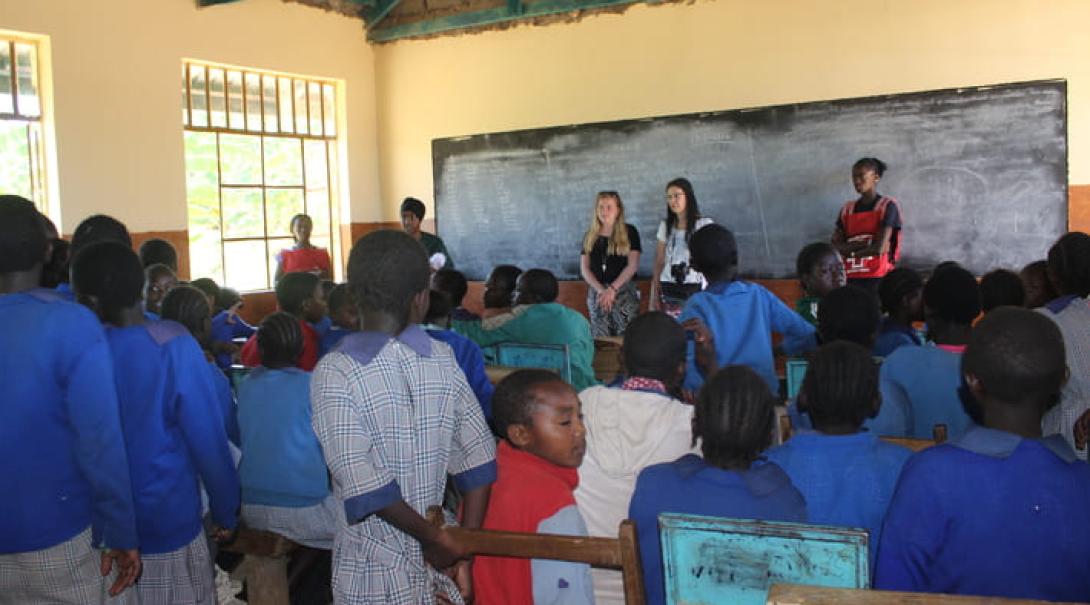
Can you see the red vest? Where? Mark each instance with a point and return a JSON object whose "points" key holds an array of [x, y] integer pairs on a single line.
{"points": [[864, 227]]}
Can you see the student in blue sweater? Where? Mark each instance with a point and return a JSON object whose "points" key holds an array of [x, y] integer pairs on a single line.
{"points": [[173, 429], [344, 318], [999, 511], [920, 384], [741, 315], [901, 293], [67, 512], [93, 229], [285, 484], [846, 474], [227, 325], [466, 352], [732, 421]]}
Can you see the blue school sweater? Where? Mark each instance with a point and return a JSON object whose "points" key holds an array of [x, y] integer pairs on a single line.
{"points": [[892, 336], [63, 465], [331, 339], [692, 486], [225, 397], [919, 390], [174, 431], [742, 316], [282, 462], [847, 480], [471, 360], [227, 332], [990, 514]]}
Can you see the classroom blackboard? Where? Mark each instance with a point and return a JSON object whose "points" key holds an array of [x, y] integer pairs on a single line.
{"points": [[980, 174]]}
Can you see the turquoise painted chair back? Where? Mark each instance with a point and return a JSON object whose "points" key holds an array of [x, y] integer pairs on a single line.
{"points": [[708, 560], [795, 371], [236, 374], [549, 357]]}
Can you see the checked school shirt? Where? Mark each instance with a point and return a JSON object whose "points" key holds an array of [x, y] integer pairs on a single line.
{"points": [[394, 416]]}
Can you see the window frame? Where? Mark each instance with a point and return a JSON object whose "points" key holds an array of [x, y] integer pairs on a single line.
{"points": [[38, 127]]}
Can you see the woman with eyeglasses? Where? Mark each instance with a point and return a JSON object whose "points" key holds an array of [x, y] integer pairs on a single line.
{"points": [[608, 263], [674, 280]]}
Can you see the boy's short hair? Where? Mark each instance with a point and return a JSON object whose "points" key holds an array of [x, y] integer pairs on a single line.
{"points": [[841, 384], [340, 296], [733, 416], [1069, 261], [1001, 288], [515, 396], [849, 313], [158, 251], [1017, 355], [438, 307], [327, 289], [451, 282], [539, 285], [411, 204], [153, 272], [294, 289], [654, 346], [810, 256], [111, 272], [280, 338], [952, 294], [503, 278], [713, 250], [227, 298], [99, 228], [896, 285], [23, 241], [208, 286], [386, 269], [188, 306]]}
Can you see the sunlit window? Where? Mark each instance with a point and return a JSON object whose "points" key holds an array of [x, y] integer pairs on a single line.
{"points": [[260, 148], [22, 157]]}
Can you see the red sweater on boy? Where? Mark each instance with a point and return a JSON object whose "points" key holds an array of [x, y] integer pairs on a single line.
{"points": [[251, 355], [531, 495]]}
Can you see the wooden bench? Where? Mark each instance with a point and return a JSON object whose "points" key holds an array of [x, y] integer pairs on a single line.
{"points": [[607, 362], [610, 553], [266, 564], [797, 594]]}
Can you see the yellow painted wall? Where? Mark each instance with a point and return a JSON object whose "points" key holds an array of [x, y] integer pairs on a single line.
{"points": [[712, 55], [116, 76]]}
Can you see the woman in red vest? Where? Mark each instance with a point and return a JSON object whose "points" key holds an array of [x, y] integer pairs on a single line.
{"points": [[868, 229], [303, 256]]}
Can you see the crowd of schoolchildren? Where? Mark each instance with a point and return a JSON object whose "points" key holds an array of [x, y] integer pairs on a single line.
{"points": [[129, 456]]}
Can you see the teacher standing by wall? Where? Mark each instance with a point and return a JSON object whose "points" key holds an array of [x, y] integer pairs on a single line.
{"points": [[868, 230], [608, 263], [673, 280]]}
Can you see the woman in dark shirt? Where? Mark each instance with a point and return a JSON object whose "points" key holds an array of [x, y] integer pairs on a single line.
{"points": [[608, 263]]}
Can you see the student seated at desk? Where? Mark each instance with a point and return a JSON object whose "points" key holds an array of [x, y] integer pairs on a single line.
{"points": [[299, 294], [1000, 510], [227, 325], [733, 419], [158, 281], [820, 270], [741, 315], [468, 354], [344, 318], [285, 485], [539, 319], [631, 427], [453, 284], [1001, 288], [846, 474], [920, 384], [901, 293]]}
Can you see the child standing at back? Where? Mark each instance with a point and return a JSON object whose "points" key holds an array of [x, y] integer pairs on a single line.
{"points": [[543, 441], [395, 417], [732, 421], [846, 474], [1001, 510], [820, 270], [740, 315], [299, 294], [173, 428]]}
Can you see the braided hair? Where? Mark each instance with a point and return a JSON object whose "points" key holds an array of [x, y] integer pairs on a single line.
{"points": [[280, 340], [1069, 263], [897, 285], [188, 306], [841, 385], [733, 417]]}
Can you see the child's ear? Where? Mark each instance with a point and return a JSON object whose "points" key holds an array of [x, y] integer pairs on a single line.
{"points": [[518, 435]]}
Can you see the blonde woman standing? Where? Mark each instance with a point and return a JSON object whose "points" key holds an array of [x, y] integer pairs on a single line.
{"points": [[608, 263]]}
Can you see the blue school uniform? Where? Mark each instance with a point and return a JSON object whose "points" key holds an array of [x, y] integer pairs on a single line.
{"points": [[65, 292], [331, 339], [471, 360], [919, 390], [222, 331], [692, 486], [63, 465], [226, 399], [742, 317], [322, 326], [892, 336], [990, 514], [847, 480], [174, 431], [282, 462]]}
